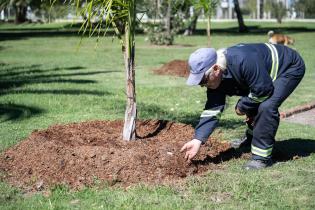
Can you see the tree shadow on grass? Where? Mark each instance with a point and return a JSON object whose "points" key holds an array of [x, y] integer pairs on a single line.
{"points": [[6, 85], [19, 76], [13, 77], [18, 34], [255, 30], [60, 92], [19, 70], [14, 112], [291, 149], [73, 30], [44, 78]]}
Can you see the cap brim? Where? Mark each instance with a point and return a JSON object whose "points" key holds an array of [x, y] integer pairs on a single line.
{"points": [[194, 79]]}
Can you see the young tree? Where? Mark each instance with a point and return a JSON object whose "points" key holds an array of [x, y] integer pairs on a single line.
{"points": [[20, 7], [208, 6], [121, 15]]}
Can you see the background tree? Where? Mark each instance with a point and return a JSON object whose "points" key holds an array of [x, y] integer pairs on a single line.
{"points": [[307, 7], [251, 7], [277, 9], [191, 20], [261, 9], [241, 25], [256, 8], [169, 17], [19, 6], [41, 8]]}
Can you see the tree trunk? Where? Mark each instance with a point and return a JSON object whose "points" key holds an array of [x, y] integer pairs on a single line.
{"points": [[158, 8], [168, 18], [208, 29], [261, 7], [129, 132], [258, 9], [241, 25], [190, 30], [20, 13]]}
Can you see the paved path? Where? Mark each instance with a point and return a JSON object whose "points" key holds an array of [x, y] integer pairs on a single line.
{"points": [[305, 118]]}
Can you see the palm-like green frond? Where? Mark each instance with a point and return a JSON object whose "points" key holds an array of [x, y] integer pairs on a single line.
{"points": [[102, 14], [207, 5]]}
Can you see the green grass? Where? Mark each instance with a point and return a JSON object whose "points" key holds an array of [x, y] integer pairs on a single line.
{"points": [[48, 80]]}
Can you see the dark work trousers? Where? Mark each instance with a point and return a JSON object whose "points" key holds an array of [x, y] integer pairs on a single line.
{"points": [[267, 118]]}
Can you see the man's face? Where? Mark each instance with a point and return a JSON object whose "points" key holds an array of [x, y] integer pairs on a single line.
{"points": [[212, 80]]}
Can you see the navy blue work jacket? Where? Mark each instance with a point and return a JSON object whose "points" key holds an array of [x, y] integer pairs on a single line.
{"points": [[251, 70]]}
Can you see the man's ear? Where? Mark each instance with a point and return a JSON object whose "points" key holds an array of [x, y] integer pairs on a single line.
{"points": [[217, 69]]}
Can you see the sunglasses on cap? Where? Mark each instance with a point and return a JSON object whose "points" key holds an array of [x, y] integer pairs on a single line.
{"points": [[205, 77]]}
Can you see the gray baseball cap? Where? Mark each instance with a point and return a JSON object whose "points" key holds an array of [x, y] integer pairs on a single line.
{"points": [[199, 62]]}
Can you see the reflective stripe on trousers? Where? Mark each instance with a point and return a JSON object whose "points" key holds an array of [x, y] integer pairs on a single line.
{"points": [[211, 113], [262, 152]]}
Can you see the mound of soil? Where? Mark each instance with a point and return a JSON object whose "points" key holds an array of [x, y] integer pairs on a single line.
{"points": [[178, 68], [82, 154]]}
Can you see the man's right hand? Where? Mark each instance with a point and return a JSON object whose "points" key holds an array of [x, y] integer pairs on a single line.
{"points": [[192, 148], [249, 120]]}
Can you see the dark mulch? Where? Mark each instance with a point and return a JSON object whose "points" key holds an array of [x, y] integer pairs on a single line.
{"points": [[82, 154], [178, 68]]}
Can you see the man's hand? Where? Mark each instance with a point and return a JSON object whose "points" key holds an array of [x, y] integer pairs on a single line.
{"points": [[249, 120], [192, 148]]}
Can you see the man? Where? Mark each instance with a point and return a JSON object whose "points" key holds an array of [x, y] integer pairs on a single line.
{"points": [[263, 74]]}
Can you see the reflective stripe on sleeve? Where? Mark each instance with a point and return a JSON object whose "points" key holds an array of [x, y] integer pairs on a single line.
{"points": [[257, 99], [261, 152], [275, 61], [211, 113]]}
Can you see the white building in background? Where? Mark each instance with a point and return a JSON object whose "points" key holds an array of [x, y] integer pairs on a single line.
{"points": [[225, 8], [2, 15]]}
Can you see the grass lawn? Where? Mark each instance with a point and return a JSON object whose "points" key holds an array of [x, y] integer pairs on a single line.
{"points": [[46, 80]]}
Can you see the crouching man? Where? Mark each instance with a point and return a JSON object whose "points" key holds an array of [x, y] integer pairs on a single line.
{"points": [[264, 75]]}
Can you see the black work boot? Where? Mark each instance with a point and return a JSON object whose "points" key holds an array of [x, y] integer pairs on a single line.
{"points": [[245, 141], [257, 164]]}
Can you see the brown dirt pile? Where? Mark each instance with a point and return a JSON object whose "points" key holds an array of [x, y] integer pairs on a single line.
{"points": [[178, 68], [80, 154]]}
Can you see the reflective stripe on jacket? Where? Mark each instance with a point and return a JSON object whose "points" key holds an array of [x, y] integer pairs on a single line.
{"points": [[251, 70]]}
